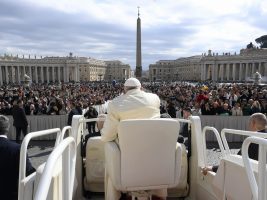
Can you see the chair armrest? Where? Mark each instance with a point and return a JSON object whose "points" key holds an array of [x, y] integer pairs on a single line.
{"points": [[178, 163], [113, 164]]}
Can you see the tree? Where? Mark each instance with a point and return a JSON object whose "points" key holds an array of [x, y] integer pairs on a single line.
{"points": [[262, 41], [250, 46]]}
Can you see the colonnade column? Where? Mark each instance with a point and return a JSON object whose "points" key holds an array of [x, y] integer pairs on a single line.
{"points": [[24, 72], [58, 74], [253, 69], [1, 79], [10, 74], [240, 71], [216, 68], [53, 74], [246, 74], [67, 74], [6, 69], [47, 74], [35, 74], [30, 72], [234, 70], [18, 70], [78, 73], [259, 69], [201, 72], [42, 74], [204, 72], [227, 71], [222, 72]]}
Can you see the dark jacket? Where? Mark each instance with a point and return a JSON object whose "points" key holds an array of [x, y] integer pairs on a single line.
{"points": [[19, 117], [74, 111], [91, 113], [253, 149], [9, 169]]}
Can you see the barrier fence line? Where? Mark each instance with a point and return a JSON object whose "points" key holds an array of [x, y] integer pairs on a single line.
{"points": [[43, 122]]}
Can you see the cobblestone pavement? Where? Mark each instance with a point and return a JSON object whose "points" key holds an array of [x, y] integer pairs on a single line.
{"points": [[214, 152], [38, 151]]}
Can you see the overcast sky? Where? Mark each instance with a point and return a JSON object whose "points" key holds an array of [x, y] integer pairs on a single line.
{"points": [[106, 29]]}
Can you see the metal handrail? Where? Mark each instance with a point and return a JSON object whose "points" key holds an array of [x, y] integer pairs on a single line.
{"points": [[182, 120], [258, 190], [63, 132], [67, 150], [96, 119], [238, 132], [215, 131], [89, 120], [23, 154]]}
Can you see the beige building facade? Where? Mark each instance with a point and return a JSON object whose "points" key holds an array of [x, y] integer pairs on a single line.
{"points": [[117, 70], [222, 68], [40, 70], [187, 68], [234, 67], [59, 69], [92, 69]]}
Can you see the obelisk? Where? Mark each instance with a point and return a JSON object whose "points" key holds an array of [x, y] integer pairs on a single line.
{"points": [[138, 70]]}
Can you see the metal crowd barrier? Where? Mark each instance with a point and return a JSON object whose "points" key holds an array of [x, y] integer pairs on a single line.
{"points": [[26, 183], [67, 150], [259, 191], [43, 122]]}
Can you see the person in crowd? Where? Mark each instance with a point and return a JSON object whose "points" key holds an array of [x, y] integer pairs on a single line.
{"points": [[246, 108], [171, 110], [73, 111], [20, 120], [91, 113], [9, 167], [225, 111], [99, 124], [185, 130], [180, 138], [257, 123], [206, 108], [196, 111], [255, 108], [236, 110], [134, 104], [215, 108], [79, 108]]}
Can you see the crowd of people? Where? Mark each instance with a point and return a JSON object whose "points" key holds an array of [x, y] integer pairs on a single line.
{"points": [[211, 99], [202, 98], [175, 99], [56, 99]]}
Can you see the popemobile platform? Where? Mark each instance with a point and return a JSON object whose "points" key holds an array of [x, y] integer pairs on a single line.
{"points": [[146, 157]]}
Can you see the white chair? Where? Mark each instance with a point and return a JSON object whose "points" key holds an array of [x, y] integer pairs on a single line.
{"points": [[147, 158], [94, 165]]}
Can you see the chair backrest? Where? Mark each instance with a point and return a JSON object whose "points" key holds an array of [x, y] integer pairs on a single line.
{"points": [[231, 180], [148, 152]]}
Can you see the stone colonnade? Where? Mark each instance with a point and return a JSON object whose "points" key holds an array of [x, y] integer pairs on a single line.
{"points": [[38, 74], [237, 71]]}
